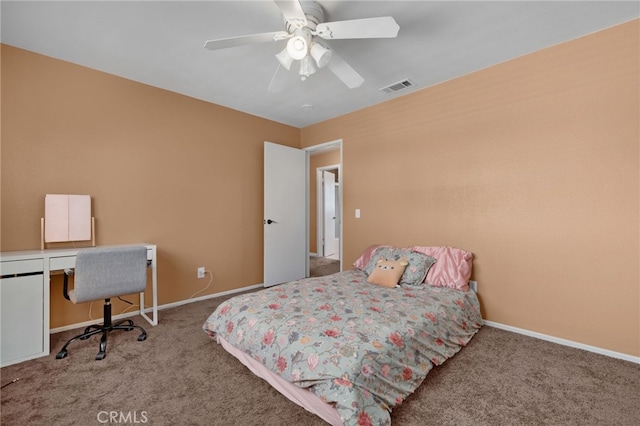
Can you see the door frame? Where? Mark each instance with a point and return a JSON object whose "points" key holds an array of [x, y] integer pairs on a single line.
{"points": [[316, 149]]}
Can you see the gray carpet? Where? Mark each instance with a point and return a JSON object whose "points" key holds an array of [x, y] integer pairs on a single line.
{"points": [[179, 376], [321, 266]]}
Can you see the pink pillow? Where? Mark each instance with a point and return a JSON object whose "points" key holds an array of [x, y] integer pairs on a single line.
{"points": [[452, 268], [366, 256]]}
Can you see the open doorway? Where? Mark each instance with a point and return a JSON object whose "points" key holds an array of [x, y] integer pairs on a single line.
{"points": [[325, 208], [328, 211]]}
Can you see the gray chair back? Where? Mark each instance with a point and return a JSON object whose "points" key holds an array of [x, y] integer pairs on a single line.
{"points": [[105, 272]]}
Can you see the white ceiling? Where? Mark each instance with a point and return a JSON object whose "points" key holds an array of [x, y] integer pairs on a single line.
{"points": [[160, 43]]}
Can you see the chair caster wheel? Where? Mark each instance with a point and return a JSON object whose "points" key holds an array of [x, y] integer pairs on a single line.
{"points": [[142, 337], [61, 354], [100, 356]]}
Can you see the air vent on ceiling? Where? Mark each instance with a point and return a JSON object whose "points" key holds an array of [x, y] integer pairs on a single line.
{"points": [[398, 86]]}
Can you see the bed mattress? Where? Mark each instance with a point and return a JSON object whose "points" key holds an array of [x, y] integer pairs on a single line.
{"points": [[358, 347]]}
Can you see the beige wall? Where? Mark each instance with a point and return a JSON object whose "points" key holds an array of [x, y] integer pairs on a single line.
{"points": [[161, 168], [533, 165], [323, 159]]}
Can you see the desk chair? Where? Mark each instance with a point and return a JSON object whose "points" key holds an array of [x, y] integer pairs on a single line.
{"points": [[103, 273]]}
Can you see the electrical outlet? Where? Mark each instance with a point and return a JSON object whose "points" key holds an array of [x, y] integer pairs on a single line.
{"points": [[201, 272]]}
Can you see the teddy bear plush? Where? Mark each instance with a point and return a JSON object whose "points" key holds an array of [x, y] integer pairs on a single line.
{"points": [[388, 272]]}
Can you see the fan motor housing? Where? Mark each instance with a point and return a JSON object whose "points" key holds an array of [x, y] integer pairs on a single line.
{"points": [[312, 11]]}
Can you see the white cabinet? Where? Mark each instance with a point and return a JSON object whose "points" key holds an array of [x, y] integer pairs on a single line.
{"points": [[22, 322]]}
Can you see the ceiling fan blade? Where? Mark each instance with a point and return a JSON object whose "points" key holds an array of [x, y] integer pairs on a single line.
{"points": [[224, 43], [278, 80], [383, 27], [292, 11], [344, 71]]}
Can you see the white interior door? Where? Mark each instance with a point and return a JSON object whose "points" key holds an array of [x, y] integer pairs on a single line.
{"points": [[329, 213], [285, 217]]}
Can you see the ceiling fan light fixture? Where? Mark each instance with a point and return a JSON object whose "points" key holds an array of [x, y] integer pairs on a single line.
{"points": [[320, 54], [284, 58], [307, 67], [305, 26], [297, 47]]}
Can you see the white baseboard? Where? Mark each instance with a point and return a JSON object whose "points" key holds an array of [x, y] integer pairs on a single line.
{"points": [[207, 296], [148, 310], [564, 342]]}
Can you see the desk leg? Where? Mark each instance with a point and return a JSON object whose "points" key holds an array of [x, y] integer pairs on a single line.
{"points": [[46, 310], [154, 287]]}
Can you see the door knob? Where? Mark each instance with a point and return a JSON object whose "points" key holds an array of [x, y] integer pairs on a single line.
{"points": [[269, 221]]}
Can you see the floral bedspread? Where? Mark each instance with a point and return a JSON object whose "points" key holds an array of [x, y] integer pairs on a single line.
{"points": [[359, 346]]}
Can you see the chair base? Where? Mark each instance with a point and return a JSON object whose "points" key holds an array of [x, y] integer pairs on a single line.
{"points": [[105, 329]]}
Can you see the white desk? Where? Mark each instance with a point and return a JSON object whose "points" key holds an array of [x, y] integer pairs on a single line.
{"points": [[24, 299]]}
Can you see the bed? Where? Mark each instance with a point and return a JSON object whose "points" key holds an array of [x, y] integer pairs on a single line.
{"points": [[346, 347]]}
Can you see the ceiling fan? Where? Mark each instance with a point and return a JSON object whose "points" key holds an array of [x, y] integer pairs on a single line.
{"points": [[305, 34]]}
